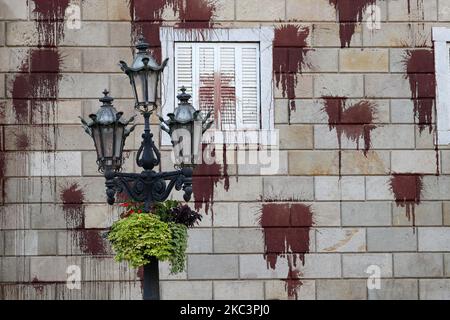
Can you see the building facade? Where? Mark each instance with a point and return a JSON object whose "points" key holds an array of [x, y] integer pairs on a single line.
{"points": [[331, 172]]}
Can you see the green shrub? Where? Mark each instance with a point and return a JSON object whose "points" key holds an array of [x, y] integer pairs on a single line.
{"points": [[138, 237], [162, 234]]}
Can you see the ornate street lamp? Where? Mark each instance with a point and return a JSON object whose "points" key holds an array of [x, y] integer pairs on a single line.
{"points": [[144, 76], [186, 127], [109, 132]]}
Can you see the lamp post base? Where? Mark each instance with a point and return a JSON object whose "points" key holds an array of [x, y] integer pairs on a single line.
{"points": [[151, 280]]}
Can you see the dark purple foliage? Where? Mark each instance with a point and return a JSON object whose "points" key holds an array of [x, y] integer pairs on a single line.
{"points": [[185, 215]]}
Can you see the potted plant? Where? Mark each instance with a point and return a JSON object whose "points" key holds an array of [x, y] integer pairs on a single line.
{"points": [[162, 234]]}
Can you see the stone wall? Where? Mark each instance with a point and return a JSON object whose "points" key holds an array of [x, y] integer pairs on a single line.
{"points": [[360, 181]]}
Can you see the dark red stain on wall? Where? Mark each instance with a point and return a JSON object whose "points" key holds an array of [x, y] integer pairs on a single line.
{"points": [[419, 66], [22, 142], [37, 84], [206, 177], [37, 285], [286, 230], [72, 198], [354, 121], [146, 16], [49, 15], [91, 242], [293, 282], [39, 75], [420, 72], [419, 4], [217, 93], [407, 190], [349, 14], [289, 55]]}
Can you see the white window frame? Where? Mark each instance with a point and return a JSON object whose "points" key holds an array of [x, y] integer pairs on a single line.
{"points": [[441, 39], [264, 36]]}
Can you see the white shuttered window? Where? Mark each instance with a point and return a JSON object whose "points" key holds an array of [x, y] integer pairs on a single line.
{"points": [[441, 40], [223, 78]]}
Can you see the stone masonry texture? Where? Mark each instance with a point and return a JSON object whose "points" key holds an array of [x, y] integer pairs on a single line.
{"points": [[360, 188]]}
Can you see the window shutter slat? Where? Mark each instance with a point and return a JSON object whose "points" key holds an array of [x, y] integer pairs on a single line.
{"points": [[184, 68], [206, 65], [227, 79], [250, 87]]}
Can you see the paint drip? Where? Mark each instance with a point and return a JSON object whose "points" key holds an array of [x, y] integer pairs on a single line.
{"points": [[349, 14], [207, 176], [91, 241], [217, 93], [419, 66], [355, 122], [407, 189], [289, 59], [286, 230], [49, 15], [147, 18], [420, 8], [72, 198], [37, 286], [420, 72]]}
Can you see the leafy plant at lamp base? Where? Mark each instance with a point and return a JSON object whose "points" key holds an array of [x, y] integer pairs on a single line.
{"points": [[179, 246], [161, 233], [140, 236]]}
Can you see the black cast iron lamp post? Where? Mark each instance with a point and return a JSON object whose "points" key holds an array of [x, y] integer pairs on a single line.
{"points": [[109, 131]]}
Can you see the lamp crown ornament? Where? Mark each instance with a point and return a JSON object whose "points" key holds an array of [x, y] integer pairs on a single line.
{"points": [[142, 45], [183, 96], [106, 99]]}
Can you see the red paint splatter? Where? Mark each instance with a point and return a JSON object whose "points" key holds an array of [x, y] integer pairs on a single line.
{"points": [[37, 286], [355, 121], [420, 73], [206, 177], [22, 142], [146, 17], [349, 12], [49, 16], [286, 234], [407, 189], [91, 242], [41, 68], [217, 93], [289, 54], [73, 199], [293, 281]]}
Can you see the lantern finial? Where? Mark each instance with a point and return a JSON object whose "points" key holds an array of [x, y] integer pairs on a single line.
{"points": [[107, 99], [183, 96], [142, 45]]}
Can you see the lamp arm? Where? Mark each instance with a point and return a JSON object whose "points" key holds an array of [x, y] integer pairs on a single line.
{"points": [[149, 186]]}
